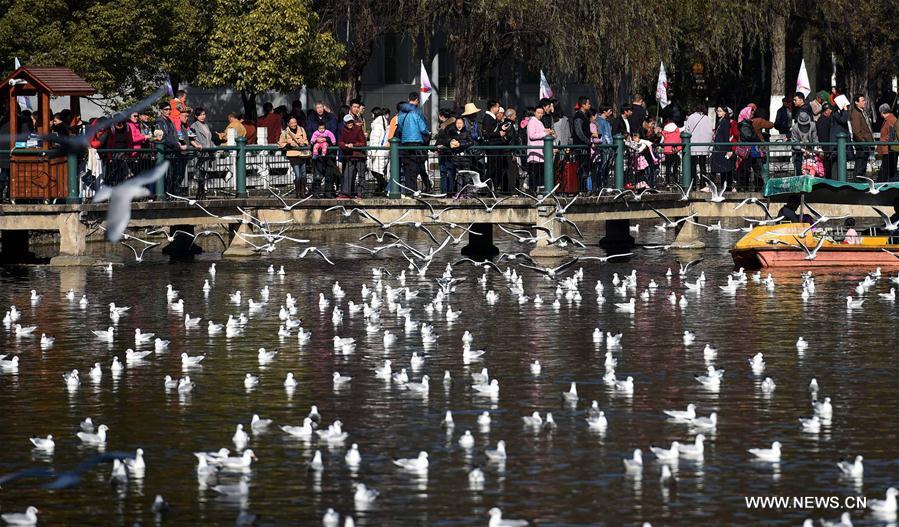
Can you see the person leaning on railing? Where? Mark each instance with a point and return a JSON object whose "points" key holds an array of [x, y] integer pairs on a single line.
{"points": [[351, 137], [444, 161], [202, 138], [459, 141], [537, 131], [296, 147]]}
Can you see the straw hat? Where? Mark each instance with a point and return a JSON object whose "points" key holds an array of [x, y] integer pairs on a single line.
{"points": [[470, 109]]}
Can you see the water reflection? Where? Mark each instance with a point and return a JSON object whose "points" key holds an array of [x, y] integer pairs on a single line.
{"points": [[561, 476]]}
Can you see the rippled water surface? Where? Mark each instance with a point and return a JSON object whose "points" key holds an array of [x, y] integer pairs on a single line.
{"points": [[566, 476]]}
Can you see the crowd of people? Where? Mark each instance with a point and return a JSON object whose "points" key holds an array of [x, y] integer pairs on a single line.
{"points": [[340, 150]]}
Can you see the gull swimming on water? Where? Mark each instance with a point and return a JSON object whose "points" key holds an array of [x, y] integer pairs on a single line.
{"points": [[811, 425], [571, 395], [499, 454], [302, 432], [415, 464], [497, 520], [666, 454], [635, 463], [853, 470], [683, 415], [885, 507], [27, 518], [694, 451], [98, 438], [44, 443], [767, 454]]}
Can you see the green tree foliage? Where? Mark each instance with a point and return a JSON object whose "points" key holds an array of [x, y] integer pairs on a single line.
{"points": [[123, 48], [128, 47], [259, 45], [35, 35]]}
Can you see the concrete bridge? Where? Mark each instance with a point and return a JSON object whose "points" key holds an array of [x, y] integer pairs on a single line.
{"points": [[73, 222]]}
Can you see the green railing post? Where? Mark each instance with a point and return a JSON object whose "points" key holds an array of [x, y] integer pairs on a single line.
{"points": [[686, 163], [841, 156], [548, 165], [160, 159], [241, 168], [393, 187], [74, 195], [766, 167], [619, 161]]}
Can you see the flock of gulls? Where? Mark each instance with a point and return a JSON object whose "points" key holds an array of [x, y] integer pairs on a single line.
{"points": [[390, 299], [416, 301]]}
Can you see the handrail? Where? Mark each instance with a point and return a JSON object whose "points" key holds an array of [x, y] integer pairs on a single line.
{"points": [[548, 151]]}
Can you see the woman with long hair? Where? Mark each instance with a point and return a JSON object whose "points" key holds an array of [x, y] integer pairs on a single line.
{"points": [[722, 161]]}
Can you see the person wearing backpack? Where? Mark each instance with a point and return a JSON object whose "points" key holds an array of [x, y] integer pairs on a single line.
{"points": [[889, 153]]}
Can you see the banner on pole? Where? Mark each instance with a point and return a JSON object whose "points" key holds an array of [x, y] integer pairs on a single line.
{"points": [[802, 83], [662, 86], [545, 91], [425, 85]]}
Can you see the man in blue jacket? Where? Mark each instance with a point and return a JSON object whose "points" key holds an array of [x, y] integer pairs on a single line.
{"points": [[413, 131]]}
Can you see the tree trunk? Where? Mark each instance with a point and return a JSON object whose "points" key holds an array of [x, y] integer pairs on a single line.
{"points": [[857, 72], [248, 97], [464, 81], [778, 63], [352, 72]]}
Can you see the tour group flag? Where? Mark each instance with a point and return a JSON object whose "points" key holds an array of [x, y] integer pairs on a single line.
{"points": [[802, 83], [545, 91], [662, 86], [425, 88], [24, 102]]}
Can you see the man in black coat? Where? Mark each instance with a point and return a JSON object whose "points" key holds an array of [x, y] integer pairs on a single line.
{"points": [[492, 134], [800, 106], [784, 119], [173, 148], [839, 123], [639, 116], [824, 127], [622, 123], [581, 135]]}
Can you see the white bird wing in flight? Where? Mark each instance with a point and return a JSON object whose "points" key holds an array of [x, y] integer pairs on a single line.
{"points": [[118, 214]]}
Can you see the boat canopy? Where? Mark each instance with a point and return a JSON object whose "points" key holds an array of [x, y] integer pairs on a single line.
{"points": [[820, 190]]}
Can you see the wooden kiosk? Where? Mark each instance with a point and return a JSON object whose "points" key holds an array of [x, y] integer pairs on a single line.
{"points": [[34, 175]]}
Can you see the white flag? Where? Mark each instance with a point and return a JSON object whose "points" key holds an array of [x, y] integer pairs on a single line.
{"points": [[545, 91], [24, 102], [802, 83], [425, 88], [662, 87]]}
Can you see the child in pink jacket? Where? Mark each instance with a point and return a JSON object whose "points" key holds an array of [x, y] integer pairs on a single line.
{"points": [[321, 139]]}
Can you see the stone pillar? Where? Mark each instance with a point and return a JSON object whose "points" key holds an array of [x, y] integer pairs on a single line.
{"points": [[14, 247], [618, 235], [688, 237], [182, 247], [543, 249], [72, 242], [480, 246], [239, 246]]}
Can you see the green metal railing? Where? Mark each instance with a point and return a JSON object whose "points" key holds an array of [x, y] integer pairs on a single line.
{"points": [[837, 150]]}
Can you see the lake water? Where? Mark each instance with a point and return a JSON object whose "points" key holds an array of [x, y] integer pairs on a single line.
{"points": [[569, 475]]}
